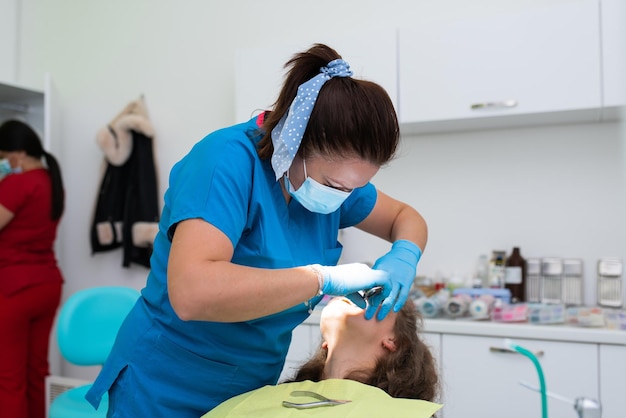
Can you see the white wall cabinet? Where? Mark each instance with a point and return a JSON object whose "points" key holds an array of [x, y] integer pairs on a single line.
{"points": [[543, 64], [613, 54], [259, 71], [538, 64]]}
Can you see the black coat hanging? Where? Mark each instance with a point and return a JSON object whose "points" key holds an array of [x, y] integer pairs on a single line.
{"points": [[127, 211]]}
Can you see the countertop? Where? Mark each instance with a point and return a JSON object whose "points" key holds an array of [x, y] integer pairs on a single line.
{"points": [[553, 332], [514, 330]]}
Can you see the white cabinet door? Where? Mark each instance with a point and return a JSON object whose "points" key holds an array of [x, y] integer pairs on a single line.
{"points": [[614, 52], [305, 340], [433, 341], [612, 380], [482, 383], [543, 59], [259, 71]]}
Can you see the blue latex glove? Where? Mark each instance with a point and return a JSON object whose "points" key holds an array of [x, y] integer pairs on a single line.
{"points": [[401, 264], [345, 279]]}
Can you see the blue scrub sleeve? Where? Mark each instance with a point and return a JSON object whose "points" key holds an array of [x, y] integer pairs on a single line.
{"points": [[213, 183]]}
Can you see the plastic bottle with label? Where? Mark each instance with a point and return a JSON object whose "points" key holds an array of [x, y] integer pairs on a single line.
{"points": [[497, 269], [515, 276]]}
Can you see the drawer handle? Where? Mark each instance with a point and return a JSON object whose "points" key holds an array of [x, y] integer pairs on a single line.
{"points": [[503, 104], [538, 353]]}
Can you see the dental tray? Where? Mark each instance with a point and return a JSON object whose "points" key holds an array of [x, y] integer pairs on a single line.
{"points": [[546, 313], [510, 313], [615, 319], [582, 316]]}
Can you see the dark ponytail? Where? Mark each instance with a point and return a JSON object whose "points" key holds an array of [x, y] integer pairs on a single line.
{"points": [[18, 136], [58, 194], [302, 67], [351, 117]]}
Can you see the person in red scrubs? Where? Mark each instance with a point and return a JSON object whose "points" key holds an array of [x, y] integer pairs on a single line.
{"points": [[31, 205]]}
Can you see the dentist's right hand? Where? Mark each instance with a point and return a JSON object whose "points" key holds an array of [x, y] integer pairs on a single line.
{"points": [[344, 279]]}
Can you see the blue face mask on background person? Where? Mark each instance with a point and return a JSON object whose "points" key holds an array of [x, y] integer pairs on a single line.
{"points": [[5, 167], [316, 197]]}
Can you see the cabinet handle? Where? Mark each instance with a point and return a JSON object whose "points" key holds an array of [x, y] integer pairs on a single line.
{"points": [[538, 353], [503, 104]]}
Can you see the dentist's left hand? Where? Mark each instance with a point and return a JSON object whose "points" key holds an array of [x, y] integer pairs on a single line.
{"points": [[401, 265], [344, 279]]}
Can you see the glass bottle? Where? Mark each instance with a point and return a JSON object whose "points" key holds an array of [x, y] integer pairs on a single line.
{"points": [[515, 276], [482, 271]]}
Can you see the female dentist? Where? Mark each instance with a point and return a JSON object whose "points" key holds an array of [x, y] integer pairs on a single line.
{"points": [[247, 244]]}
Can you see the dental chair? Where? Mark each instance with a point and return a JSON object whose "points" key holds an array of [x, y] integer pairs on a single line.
{"points": [[87, 325]]}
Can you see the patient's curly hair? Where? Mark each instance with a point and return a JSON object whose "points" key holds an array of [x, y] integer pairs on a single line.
{"points": [[408, 372]]}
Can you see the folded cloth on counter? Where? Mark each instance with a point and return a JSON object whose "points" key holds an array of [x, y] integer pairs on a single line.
{"points": [[366, 401]]}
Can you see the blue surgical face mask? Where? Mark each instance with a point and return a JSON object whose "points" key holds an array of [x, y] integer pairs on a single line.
{"points": [[5, 167], [316, 197]]}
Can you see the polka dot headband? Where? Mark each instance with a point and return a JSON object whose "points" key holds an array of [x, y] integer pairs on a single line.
{"points": [[287, 134]]}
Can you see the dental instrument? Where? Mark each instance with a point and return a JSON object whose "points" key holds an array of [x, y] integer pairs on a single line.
{"points": [[321, 400], [585, 407]]}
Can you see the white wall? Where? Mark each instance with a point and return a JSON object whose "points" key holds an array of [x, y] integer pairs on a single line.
{"points": [[556, 191], [8, 40], [553, 191]]}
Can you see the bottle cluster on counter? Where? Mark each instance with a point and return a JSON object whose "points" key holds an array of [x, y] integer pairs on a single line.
{"points": [[509, 288]]}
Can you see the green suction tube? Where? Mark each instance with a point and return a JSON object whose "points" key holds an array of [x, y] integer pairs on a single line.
{"points": [[542, 381]]}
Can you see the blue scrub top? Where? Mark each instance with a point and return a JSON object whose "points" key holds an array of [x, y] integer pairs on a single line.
{"points": [[198, 364]]}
